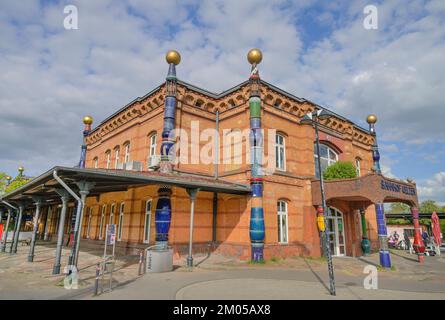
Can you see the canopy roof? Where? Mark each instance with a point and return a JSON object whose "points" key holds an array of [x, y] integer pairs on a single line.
{"points": [[108, 180]]}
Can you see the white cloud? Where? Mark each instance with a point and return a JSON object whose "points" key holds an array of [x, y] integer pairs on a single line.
{"points": [[51, 77], [433, 188]]}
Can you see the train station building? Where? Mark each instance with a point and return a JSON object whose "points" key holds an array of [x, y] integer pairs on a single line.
{"points": [[234, 173]]}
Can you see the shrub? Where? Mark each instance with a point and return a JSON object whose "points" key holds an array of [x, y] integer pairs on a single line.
{"points": [[340, 170]]}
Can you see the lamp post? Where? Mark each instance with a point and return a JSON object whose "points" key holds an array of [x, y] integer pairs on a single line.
{"points": [[313, 118]]}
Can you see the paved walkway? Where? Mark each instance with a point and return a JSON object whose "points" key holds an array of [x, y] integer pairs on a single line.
{"points": [[220, 278]]}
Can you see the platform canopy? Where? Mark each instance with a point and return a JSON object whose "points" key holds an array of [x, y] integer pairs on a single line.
{"points": [[109, 180], [373, 188]]}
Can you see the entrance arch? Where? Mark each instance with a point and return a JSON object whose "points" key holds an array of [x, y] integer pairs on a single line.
{"points": [[337, 237]]}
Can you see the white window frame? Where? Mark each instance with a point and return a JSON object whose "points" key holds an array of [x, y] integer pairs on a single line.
{"points": [[147, 220], [108, 155], [127, 153], [284, 213], [117, 156], [278, 154], [357, 166], [102, 220], [120, 221], [90, 216], [329, 150], [112, 209], [153, 144]]}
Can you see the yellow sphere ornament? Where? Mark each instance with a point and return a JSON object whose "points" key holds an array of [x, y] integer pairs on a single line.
{"points": [[8, 178], [371, 119], [87, 120], [21, 169], [173, 56], [254, 56]]}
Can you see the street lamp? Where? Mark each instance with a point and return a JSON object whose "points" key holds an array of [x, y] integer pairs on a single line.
{"points": [[313, 119]]}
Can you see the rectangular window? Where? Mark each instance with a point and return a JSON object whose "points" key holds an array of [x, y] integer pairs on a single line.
{"points": [[102, 221], [280, 152], [108, 160], [116, 158], [153, 144], [111, 220], [90, 216], [357, 166], [120, 222], [282, 222], [147, 221], [127, 153]]}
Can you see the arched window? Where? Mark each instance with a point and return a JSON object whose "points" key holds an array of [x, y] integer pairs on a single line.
{"points": [[120, 223], [327, 157], [96, 162], [127, 152], [282, 221], [108, 159], [116, 157], [280, 152], [90, 216], [357, 166], [153, 143], [102, 221]]}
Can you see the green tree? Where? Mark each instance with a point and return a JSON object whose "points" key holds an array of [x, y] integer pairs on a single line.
{"points": [[429, 206], [340, 170], [398, 207], [16, 183], [2, 182]]}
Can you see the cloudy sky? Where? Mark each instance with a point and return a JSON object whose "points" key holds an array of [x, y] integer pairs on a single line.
{"points": [[50, 77]]}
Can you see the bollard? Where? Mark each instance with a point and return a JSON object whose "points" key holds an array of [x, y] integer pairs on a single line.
{"points": [[96, 282]]}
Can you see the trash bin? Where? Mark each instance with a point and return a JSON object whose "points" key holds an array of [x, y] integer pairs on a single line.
{"points": [[160, 260]]}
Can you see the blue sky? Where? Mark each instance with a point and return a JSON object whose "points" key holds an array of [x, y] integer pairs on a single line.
{"points": [[318, 50]]}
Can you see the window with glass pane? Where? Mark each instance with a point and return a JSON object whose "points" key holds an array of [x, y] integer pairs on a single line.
{"points": [[127, 153], [102, 221], [327, 157], [120, 222], [96, 163], [282, 221], [90, 216], [116, 158], [111, 220], [108, 156], [153, 143], [147, 221], [280, 152], [357, 166]]}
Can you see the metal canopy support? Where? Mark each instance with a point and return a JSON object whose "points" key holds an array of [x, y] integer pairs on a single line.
{"points": [[15, 241], [5, 232], [192, 194], [64, 196], [38, 203], [84, 190]]}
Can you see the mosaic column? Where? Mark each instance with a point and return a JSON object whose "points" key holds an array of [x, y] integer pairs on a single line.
{"points": [[257, 228], [418, 245], [87, 121], [366, 244], [372, 119], [163, 207], [385, 259]]}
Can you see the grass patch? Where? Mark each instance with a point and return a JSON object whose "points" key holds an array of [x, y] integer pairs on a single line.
{"points": [[256, 262], [275, 259]]}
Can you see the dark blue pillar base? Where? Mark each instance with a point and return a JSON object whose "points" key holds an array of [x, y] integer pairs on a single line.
{"points": [[385, 259], [257, 253]]}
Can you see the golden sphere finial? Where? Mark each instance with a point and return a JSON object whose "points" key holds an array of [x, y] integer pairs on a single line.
{"points": [[371, 119], [173, 56], [87, 120], [21, 169], [9, 178], [254, 56]]}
